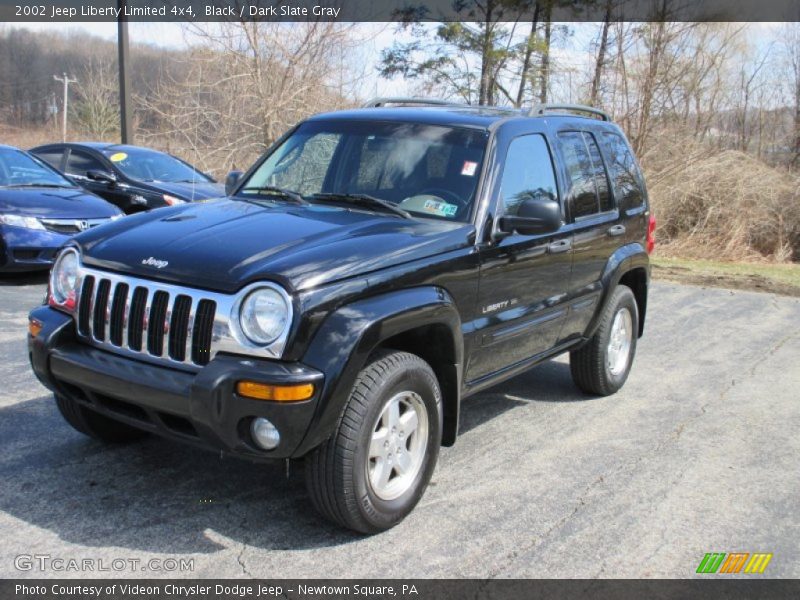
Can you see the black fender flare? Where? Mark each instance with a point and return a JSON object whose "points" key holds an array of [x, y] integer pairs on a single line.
{"points": [[625, 259], [350, 334]]}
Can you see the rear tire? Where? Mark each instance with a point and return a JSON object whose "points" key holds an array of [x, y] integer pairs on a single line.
{"points": [[95, 425], [602, 365], [377, 464]]}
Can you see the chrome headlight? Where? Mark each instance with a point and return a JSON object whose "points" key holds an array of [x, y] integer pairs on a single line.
{"points": [[264, 315], [20, 221], [64, 279]]}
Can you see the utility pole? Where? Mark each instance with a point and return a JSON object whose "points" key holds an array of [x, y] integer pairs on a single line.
{"points": [[66, 81], [125, 124]]}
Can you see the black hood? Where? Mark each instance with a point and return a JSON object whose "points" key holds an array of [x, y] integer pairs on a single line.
{"points": [[226, 244], [54, 203]]}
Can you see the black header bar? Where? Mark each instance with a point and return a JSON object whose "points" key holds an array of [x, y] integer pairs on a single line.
{"points": [[392, 10], [733, 588]]}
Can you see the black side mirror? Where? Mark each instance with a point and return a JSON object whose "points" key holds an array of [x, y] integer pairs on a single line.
{"points": [[535, 216], [231, 179], [102, 176]]}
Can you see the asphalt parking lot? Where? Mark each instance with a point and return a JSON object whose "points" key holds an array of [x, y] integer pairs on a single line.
{"points": [[699, 453]]}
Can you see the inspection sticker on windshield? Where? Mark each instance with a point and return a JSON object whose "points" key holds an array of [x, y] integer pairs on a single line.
{"points": [[469, 168], [118, 157], [443, 209]]}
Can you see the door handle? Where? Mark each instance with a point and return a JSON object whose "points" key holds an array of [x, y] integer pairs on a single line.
{"points": [[616, 230], [559, 246]]}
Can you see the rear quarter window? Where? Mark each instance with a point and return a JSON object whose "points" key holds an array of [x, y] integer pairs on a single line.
{"points": [[626, 179]]}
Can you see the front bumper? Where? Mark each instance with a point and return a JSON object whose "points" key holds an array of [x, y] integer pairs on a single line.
{"points": [[201, 408], [28, 249]]}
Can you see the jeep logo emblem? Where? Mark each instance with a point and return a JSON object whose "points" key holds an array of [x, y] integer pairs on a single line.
{"points": [[154, 262]]}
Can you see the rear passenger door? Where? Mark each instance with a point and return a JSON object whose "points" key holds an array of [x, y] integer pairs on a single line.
{"points": [[627, 184], [595, 222], [524, 278]]}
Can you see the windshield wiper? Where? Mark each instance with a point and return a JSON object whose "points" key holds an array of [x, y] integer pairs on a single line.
{"points": [[44, 185], [363, 201], [277, 191]]}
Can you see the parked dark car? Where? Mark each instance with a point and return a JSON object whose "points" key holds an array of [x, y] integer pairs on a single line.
{"points": [[374, 268], [40, 210], [131, 177]]}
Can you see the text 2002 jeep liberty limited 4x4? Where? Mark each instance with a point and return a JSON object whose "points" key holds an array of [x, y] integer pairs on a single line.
{"points": [[375, 267]]}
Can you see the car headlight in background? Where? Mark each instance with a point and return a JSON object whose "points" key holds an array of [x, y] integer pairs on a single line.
{"points": [[172, 200], [64, 280], [20, 221], [264, 315]]}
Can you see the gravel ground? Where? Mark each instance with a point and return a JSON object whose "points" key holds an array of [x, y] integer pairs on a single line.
{"points": [[698, 453]]}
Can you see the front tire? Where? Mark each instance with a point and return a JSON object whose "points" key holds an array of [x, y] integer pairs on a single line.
{"points": [[602, 365], [377, 464], [95, 425]]}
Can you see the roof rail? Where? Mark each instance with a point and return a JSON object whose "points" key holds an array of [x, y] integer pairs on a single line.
{"points": [[541, 109], [380, 101]]}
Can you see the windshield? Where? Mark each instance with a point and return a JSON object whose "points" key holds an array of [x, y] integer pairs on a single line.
{"points": [[143, 164], [425, 170], [18, 169]]}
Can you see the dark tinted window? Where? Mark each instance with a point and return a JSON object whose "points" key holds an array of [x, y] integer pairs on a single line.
{"points": [[52, 157], [528, 173], [79, 163], [625, 175], [588, 181]]}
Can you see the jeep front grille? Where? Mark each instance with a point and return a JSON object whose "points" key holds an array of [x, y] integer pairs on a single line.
{"points": [[146, 318], [164, 323]]}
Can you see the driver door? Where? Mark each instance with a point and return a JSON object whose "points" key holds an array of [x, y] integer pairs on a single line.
{"points": [[524, 278]]}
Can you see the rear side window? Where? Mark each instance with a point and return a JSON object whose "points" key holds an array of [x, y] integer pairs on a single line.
{"points": [[79, 163], [626, 178], [51, 157], [528, 173], [589, 189]]}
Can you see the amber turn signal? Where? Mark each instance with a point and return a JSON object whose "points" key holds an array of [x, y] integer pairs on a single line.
{"points": [[34, 327], [278, 393]]}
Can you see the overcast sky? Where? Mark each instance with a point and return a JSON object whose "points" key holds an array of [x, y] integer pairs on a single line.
{"points": [[572, 53]]}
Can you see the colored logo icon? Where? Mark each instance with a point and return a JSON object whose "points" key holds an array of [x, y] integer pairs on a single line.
{"points": [[734, 562]]}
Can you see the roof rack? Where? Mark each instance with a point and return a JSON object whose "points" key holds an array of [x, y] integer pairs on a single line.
{"points": [[380, 101], [541, 109]]}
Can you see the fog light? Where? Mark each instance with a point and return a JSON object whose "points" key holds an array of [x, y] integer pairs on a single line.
{"points": [[265, 433]]}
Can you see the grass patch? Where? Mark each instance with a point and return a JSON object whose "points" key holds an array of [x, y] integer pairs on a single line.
{"points": [[765, 277]]}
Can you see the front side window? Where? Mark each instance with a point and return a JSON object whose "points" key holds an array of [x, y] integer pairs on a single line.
{"points": [[625, 175], [79, 163], [589, 188], [528, 173], [426, 170], [18, 169]]}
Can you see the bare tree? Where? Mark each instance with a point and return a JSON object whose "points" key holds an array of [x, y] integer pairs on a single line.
{"points": [[96, 109], [245, 83]]}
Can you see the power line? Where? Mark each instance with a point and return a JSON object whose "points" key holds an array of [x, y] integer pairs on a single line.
{"points": [[66, 81]]}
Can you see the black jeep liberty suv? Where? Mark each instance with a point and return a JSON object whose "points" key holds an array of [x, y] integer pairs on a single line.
{"points": [[371, 270]]}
